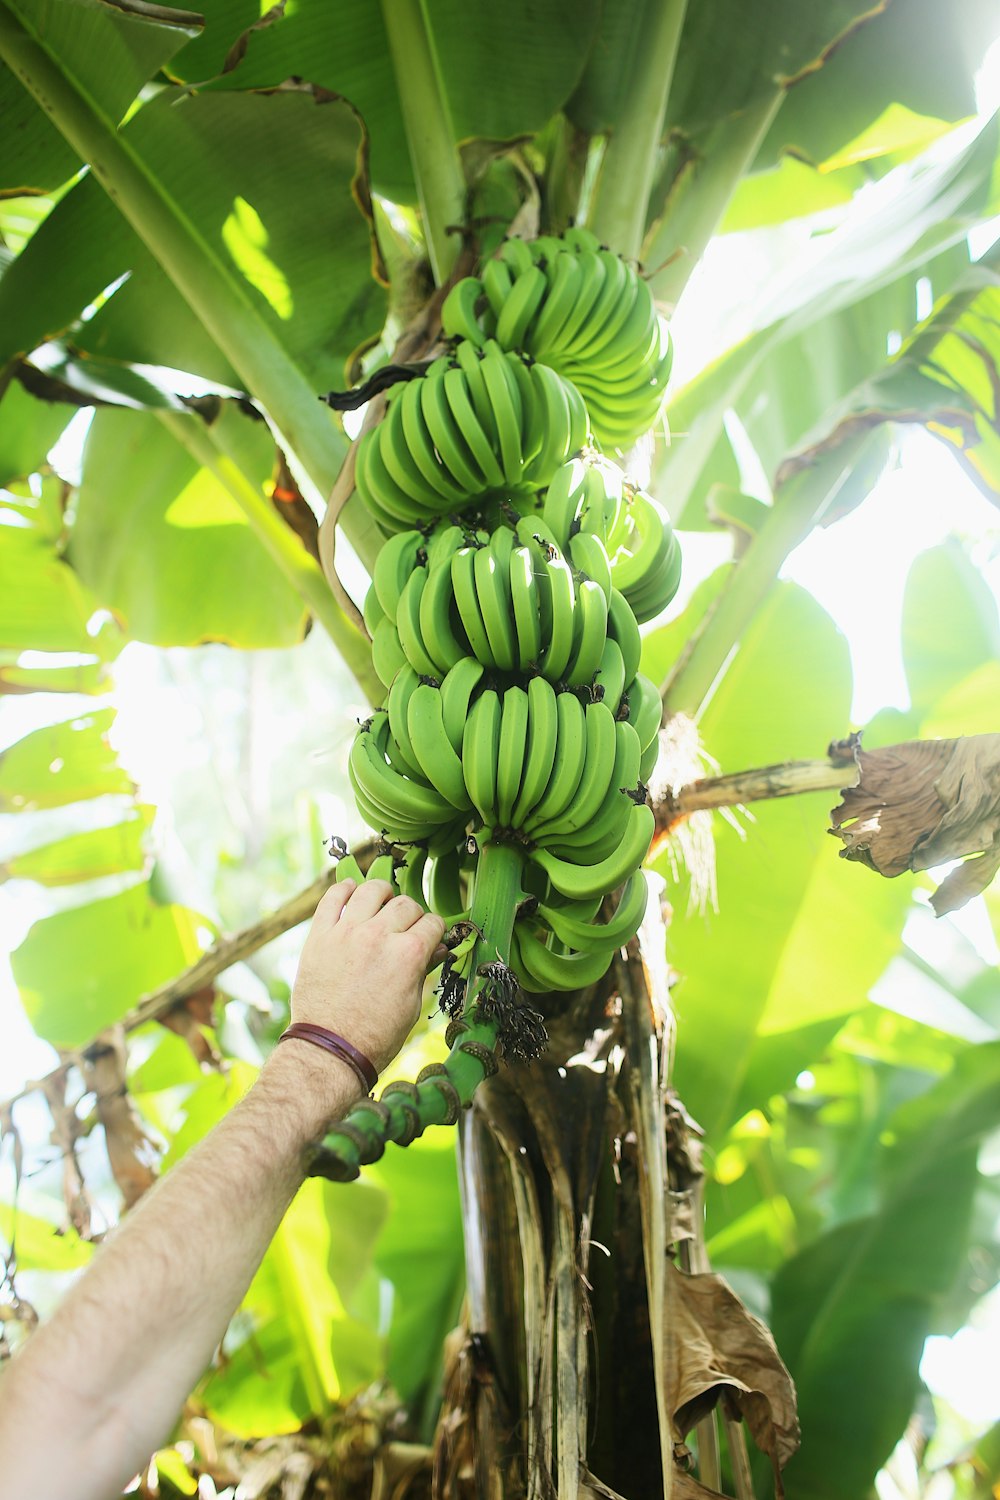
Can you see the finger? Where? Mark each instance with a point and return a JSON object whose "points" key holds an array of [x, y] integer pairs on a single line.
{"points": [[438, 956], [332, 903], [430, 931], [367, 900], [400, 914]]}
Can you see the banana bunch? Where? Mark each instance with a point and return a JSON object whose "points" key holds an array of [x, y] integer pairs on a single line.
{"points": [[576, 306], [510, 600], [507, 766], [591, 498], [559, 945], [480, 423], [558, 777]]}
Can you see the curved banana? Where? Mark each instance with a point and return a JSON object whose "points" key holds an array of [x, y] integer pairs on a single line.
{"points": [[595, 782], [584, 934], [623, 628], [437, 633], [421, 447], [539, 750], [463, 578], [493, 593], [435, 754], [562, 599], [480, 755], [581, 881], [505, 402], [457, 689], [524, 600], [524, 300], [408, 625], [447, 437], [388, 655], [540, 970], [477, 437], [590, 635], [498, 282], [589, 556], [511, 755], [567, 764], [564, 278], [517, 254], [609, 681], [459, 315]]}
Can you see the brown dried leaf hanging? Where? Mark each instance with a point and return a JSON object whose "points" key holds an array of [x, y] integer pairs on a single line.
{"points": [[922, 804], [717, 1351]]}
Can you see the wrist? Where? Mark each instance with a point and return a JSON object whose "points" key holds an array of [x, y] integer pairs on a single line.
{"points": [[319, 1087]]}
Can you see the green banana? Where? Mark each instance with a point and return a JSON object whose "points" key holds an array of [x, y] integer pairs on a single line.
{"points": [[463, 577], [520, 307], [436, 757], [480, 754], [590, 634], [580, 881], [457, 689], [511, 754], [539, 751], [581, 932], [562, 632], [567, 764], [493, 593], [444, 648], [459, 316], [524, 600], [540, 970]]}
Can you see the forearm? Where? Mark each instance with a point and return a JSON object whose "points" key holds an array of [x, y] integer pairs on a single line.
{"points": [[80, 1411]]}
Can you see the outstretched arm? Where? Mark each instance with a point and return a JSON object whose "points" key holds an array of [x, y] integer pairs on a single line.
{"points": [[99, 1386]]}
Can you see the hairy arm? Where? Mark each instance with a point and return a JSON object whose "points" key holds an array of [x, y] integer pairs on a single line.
{"points": [[99, 1386]]}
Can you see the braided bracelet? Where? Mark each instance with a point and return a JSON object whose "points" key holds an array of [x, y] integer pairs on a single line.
{"points": [[362, 1067]]}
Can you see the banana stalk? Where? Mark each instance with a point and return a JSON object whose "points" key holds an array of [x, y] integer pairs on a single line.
{"points": [[442, 1089]]}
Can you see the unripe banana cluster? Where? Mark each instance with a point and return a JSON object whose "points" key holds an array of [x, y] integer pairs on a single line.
{"points": [[578, 308], [481, 424], [507, 767]]}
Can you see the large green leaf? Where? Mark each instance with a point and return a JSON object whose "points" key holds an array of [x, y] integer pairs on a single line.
{"points": [[246, 169], [823, 334], [44, 606], [905, 55], [786, 694], [84, 856], [421, 1252], [950, 623], [28, 429], [305, 1334], [160, 541], [795, 187], [112, 50], [80, 970], [41, 1245], [504, 70], [850, 1313], [61, 763]]}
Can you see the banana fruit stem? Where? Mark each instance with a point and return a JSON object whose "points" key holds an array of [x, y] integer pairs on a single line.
{"points": [[442, 1089]]}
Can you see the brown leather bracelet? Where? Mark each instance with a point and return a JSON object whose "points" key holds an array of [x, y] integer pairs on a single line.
{"points": [[363, 1068]]}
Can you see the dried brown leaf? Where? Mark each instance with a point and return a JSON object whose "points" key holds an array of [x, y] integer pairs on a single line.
{"points": [[717, 1351], [130, 1151], [922, 804]]}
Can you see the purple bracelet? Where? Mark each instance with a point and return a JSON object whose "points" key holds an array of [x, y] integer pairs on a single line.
{"points": [[363, 1068]]}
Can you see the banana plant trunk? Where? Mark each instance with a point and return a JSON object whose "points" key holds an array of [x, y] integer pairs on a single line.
{"points": [[557, 1387]]}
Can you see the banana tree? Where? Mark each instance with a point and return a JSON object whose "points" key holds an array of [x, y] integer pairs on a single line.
{"points": [[474, 223]]}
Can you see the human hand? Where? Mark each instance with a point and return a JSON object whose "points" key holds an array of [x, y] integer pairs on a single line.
{"points": [[363, 965]]}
